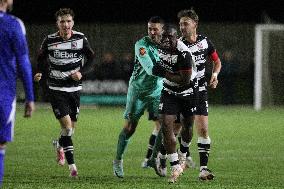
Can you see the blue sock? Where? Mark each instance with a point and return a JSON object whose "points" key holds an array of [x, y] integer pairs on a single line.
{"points": [[2, 155]]}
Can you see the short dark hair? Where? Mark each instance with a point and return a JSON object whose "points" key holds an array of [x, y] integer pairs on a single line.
{"points": [[188, 13], [169, 27], [64, 11], [156, 19]]}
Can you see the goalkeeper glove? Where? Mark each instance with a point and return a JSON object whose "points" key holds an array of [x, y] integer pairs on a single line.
{"points": [[159, 71]]}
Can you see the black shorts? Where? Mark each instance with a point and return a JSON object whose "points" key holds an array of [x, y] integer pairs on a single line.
{"points": [[152, 116], [173, 105], [65, 103], [202, 105]]}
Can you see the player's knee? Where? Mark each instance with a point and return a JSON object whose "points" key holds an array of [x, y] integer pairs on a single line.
{"points": [[130, 128], [168, 121]]}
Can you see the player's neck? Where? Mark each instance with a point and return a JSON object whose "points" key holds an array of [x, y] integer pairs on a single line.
{"points": [[192, 38], [66, 37]]}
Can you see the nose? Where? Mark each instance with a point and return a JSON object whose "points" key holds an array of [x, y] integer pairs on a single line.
{"points": [[65, 24]]}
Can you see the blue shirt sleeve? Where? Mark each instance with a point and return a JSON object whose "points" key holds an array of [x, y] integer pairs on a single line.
{"points": [[21, 52]]}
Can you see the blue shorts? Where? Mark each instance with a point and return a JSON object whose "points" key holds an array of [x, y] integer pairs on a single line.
{"points": [[7, 120]]}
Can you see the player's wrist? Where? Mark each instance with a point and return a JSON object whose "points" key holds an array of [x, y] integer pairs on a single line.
{"points": [[215, 74]]}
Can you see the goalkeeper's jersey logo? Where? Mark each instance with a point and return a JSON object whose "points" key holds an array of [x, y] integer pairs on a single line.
{"points": [[142, 51]]}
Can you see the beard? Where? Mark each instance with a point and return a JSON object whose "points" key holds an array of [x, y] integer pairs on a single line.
{"points": [[156, 39]]}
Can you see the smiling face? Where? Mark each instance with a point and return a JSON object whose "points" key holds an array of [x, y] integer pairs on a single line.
{"points": [[187, 26], [155, 31], [65, 24]]}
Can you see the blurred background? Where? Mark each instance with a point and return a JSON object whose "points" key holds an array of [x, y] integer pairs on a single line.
{"points": [[113, 27]]}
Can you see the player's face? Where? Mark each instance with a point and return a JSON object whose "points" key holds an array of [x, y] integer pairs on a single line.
{"points": [[187, 26], [155, 31], [65, 24], [169, 39], [9, 5]]}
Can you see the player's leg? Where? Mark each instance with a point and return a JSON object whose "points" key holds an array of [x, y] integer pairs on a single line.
{"points": [[170, 145], [2, 158], [58, 101], [152, 139], [66, 143], [169, 107], [185, 141], [161, 161], [133, 112], [154, 108], [159, 155], [66, 107], [203, 141], [7, 120], [67, 125]]}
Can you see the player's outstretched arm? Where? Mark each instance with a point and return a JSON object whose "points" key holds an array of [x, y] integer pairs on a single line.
{"points": [[24, 65]]}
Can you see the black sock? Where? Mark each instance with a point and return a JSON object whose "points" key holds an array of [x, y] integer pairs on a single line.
{"points": [[163, 150], [67, 145], [152, 140], [203, 149]]}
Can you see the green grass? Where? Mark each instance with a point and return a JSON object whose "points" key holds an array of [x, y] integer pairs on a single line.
{"points": [[247, 151]]}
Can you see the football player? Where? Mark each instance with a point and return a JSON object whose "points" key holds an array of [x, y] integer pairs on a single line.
{"points": [[65, 51], [14, 59]]}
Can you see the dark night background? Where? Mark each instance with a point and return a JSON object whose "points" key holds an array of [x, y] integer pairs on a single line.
{"points": [[113, 26], [250, 11]]}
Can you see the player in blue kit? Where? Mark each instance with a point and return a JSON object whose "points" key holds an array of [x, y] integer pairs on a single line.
{"points": [[14, 61]]}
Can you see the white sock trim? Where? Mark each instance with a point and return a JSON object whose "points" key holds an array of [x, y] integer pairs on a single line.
{"points": [[72, 166], [185, 144], [155, 132], [202, 167], [173, 157], [202, 140]]}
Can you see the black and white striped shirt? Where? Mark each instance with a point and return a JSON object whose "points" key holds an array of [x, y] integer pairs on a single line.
{"points": [[64, 57], [178, 60], [200, 50]]}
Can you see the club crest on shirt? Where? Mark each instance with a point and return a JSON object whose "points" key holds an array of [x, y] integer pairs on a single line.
{"points": [[142, 51], [199, 45], [73, 45]]}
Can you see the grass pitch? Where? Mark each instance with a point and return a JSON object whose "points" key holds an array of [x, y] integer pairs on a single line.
{"points": [[247, 151]]}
